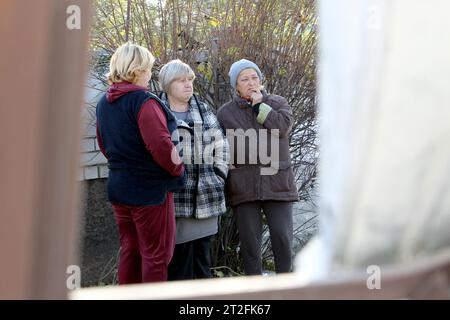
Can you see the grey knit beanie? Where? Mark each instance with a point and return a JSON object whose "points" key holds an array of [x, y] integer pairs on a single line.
{"points": [[240, 65]]}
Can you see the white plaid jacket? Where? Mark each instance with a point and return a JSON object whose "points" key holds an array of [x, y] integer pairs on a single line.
{"points": [[205, 153]]}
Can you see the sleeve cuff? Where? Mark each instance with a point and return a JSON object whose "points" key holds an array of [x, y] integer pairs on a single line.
{"points": [[221, 172], [264, 110]]}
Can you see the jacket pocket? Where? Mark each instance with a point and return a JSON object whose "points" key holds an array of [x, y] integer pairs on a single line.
{"points": [[210, 193], [281, 182], [242, 181]]}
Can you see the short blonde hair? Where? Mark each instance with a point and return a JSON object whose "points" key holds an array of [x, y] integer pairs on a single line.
{"points": [[172, 71], [127, 61]]}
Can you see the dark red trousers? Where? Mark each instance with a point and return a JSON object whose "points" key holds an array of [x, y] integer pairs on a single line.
{"points": [[147, 240]]}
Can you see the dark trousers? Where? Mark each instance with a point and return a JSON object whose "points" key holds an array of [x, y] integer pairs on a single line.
{"points": [[147, 240], [191, 260], [249, 223]]}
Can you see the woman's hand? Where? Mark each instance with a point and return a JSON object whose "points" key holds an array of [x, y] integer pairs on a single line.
{"points": [[256, 97]]}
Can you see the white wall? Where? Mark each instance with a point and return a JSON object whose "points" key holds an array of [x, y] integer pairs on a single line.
{"points": [[93, 164]]}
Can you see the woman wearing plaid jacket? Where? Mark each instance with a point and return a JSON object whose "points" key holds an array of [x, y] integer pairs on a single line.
{"points": [[205, 154]]}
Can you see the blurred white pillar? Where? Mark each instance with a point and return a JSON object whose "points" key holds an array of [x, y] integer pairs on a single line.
{"points": [[384, 128]]}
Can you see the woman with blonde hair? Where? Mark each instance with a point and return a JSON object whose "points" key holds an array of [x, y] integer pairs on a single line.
{"points": [[134, 130]]}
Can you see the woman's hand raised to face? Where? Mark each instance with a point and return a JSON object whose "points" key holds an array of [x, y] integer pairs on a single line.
{"points": [[256, 97]]}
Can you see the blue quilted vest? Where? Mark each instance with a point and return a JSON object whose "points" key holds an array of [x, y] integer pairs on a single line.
{"points": [[134, 177]]}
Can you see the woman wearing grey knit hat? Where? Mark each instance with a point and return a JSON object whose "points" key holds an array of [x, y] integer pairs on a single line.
{"points": [[258, 183]]}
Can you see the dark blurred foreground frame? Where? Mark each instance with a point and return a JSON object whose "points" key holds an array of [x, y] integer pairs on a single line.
{"points": [[43, 69]]}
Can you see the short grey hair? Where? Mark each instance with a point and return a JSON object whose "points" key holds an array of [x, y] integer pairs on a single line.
{"points": [[172, 71]]}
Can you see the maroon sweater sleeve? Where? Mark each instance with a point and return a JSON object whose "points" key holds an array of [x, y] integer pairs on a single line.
{"points": [[153, 126]]}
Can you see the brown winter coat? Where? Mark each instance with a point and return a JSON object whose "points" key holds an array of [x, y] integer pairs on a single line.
{"points": [[245, 182]]}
